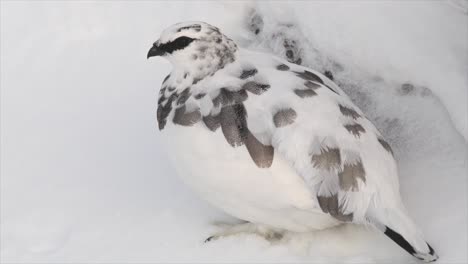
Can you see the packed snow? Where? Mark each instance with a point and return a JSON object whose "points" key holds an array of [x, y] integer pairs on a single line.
{"points": [[83, 174]]}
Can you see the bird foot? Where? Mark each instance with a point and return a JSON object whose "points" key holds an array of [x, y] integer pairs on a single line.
{"points": [[248, 228]]}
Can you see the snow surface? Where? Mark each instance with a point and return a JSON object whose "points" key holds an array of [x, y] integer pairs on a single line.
{"points": [[83, 176]]}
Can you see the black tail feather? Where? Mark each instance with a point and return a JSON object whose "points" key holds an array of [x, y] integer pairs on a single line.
{"points": [[401, 241]]}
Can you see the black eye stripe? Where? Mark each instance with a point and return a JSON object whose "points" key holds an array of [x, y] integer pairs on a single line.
{"points": [[177, 44]]}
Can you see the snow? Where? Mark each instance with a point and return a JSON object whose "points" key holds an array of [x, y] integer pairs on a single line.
{"points": [[83, 175]]}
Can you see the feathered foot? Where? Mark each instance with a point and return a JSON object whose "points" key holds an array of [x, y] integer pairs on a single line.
{"points": [[247, 228]]}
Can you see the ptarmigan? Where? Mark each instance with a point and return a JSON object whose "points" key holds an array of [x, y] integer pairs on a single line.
{"points": [[273, 143]]}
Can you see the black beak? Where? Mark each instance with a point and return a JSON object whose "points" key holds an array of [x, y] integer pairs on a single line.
{"points": [[155, 51]]}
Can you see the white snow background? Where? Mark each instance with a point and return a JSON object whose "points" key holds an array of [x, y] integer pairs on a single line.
{"points": [[83, 176]]}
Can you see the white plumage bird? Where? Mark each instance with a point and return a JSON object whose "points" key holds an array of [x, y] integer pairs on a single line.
{"points": [[273, 143]]}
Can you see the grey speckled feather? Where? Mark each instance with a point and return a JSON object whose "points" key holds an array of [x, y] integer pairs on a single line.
{"points": [[304, 93], [355, 129], [255, 87], [234, 124], [284, 117], [328, 159], [164, 111], [385, 145], [162, 98], [184, 118], [227, 97], [350, 174], [183, 96], [312, 85], [307, 75], [212, 122], [165, 79], [194, 27], [329, 204], [248, 73], [199, 96], [347, 111], [261, 154], [282, 67]]}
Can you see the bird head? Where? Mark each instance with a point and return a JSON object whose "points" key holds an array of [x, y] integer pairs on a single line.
{"points": [[196, 48]]}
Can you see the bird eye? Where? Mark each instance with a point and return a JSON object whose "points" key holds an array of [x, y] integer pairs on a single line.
{"points": [[183, 41], [177, 44]]}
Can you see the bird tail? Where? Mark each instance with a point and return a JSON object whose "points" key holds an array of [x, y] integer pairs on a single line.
{"points": [[402, 230]]}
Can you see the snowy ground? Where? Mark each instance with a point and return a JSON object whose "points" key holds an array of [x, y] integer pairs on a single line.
{"points": [[83, 177]]}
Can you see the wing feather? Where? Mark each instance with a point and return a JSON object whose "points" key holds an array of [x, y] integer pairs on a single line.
{"points": [[324, 137]]}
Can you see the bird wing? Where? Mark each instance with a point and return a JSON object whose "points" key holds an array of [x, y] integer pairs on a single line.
{"points": [[281, 110]]}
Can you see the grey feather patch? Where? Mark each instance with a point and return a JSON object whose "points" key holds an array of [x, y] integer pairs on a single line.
{"points": [[355, 129], [161, 95], [196, 80], [350, 174], [312, 85], [199, 96], [161, 99], [234, 124], [307, 75], [256, 88], [330, 205], [226, 97], [261, 154], [328, 159], [164, 110], [330, 88], [406, 88], [385, 145], [184, 118], [212, 122], [284, 117], [161, 116], [304, 93], [165, 79], [162, 90], [282, 67], [248, 73], [184, 96], [202, 49], [195, 27], [347, 111], [329, 75], [344, 217], [255, 23]]}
